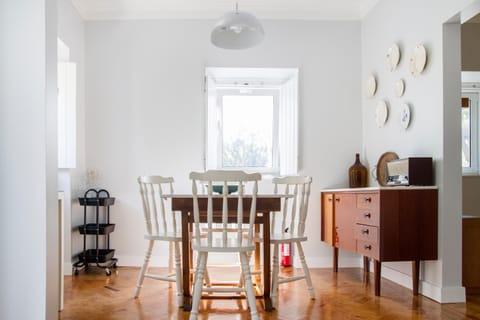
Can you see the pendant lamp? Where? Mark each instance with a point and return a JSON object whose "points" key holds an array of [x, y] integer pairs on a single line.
{"points": [[237, 30]]}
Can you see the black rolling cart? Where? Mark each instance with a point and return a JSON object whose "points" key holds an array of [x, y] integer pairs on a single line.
{"points": [[93, 202]]}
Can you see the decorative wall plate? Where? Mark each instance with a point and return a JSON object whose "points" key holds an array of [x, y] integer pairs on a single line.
{"points": [[381, 113], [370, 86], [393, 57], [405, 116], [418, 60], [399, 88]]}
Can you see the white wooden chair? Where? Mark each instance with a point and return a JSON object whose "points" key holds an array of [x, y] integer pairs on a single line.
{"points": [[161, 224], [291, 227], [214, 237]]}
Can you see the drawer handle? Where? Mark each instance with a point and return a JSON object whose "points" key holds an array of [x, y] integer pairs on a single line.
{"points": [[337, 199], [367, 247], [367, 215], [368, 199], [365, 231], [329, 200]]}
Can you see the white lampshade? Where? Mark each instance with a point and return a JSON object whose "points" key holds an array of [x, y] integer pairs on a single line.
{"points": [[237, 30]]}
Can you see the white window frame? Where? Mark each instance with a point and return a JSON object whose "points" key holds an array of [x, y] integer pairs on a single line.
{"points": [[283, 79], [472, 92]]}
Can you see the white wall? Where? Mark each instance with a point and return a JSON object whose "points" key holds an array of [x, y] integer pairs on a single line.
{"points": [[145, 108], [71, 30], [435, 126], [28, 241]]}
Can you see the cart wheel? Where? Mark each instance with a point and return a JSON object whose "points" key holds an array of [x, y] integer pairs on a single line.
{"points": [[75, 272], [114, 266], [108, 272]]}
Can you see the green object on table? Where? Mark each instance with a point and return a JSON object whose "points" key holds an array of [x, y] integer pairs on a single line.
{"points": [[219, 189]]}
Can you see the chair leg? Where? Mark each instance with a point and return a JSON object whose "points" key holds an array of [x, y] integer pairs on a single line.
{"points": [[248, 285], [171, 258], [306, 272], [207, 282], [178, 274], [241, 283], [275, 271], [144, 268], [197, 287]]}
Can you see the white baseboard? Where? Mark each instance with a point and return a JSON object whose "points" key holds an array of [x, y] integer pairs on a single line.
{"points": [[67, 268], [327, 262], [162, 261], [430, 290], [313, 262], [137, 261]]}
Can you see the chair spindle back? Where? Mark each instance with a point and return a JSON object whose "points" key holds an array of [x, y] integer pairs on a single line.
{"points": [[156, 192], [224, 209], [294, 205]]}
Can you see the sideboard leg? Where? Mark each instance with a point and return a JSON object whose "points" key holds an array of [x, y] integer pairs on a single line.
{"points": [[335, 259], [415, 276], [377, 269], [366, 264]]}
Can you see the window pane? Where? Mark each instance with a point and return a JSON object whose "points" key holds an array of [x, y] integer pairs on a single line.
{"points": [[466, 141], [247, 131]]}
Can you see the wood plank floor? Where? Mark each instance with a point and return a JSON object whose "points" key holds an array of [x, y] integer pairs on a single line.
{"points": [[346, 295]]}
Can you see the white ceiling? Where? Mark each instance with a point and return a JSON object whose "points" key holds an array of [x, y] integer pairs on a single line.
{"points": [[213, 9]]}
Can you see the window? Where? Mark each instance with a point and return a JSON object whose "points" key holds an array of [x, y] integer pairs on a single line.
{"points": [[252, 120], [248, 129], [470, 141]]}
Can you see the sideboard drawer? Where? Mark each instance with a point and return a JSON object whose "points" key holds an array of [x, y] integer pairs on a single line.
{"points": [[369, 216], [368, 200], [368, 249], [366, 233]]}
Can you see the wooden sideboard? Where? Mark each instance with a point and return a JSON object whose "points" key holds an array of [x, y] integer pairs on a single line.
{"points": [[385, 224]]}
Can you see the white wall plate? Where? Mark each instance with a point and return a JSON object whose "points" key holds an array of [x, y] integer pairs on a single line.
{"points": [[381, 113], [370, 86], [393, 57], [399, 88], [405, 116], [418, 60]]}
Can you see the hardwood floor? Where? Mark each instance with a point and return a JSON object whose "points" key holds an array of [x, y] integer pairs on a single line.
{"points": [[339, 296]]}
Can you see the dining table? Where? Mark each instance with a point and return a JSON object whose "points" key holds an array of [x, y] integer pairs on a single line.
{"points": [[265, 204]]}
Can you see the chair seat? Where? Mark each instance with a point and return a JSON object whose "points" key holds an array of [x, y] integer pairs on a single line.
{"points": [[218, 245], [167, 236]]}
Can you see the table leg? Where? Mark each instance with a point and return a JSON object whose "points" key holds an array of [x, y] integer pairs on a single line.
{"points": [[415, 276], [266, 262], [335, 259], [257, 257], [377, 269], [187, 297]]}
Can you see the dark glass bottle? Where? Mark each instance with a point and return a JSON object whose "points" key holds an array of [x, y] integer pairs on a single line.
{"points": [[357, 174]]}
